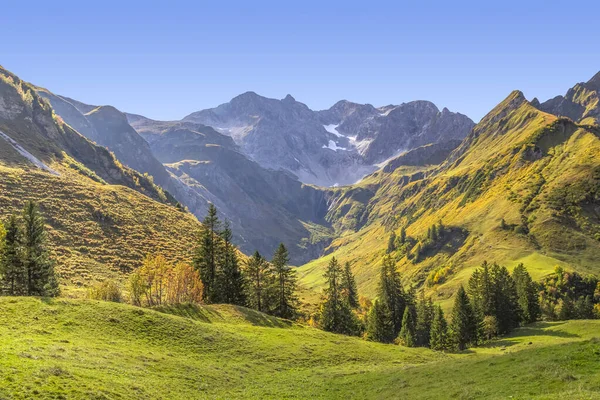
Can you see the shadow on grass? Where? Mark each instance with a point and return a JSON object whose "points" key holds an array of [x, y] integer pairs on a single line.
{"points": [[538, 329], [212, 314]]}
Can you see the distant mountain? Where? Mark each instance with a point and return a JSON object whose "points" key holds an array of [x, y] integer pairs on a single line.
{"points": [[333, 147], [102, 217], [581, 103], [523, 186]]}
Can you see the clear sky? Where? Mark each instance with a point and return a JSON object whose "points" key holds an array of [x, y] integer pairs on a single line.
{"points": [[168, 59]]}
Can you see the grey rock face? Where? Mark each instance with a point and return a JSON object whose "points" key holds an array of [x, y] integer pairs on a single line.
{"points": [[332, 147]]}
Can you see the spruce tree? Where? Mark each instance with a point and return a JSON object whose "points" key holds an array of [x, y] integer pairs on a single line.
{"points": [[463, 327], [506, 300], [207, 255], [13, 272], [336, 315], [349, 289], [527, 295], [439, 331], [391, 293], [259, 275], [231, 280], [391, 247], [407, 336], [425, 314], [379, 323], [402, 237], [39, 268], [285, 281]]}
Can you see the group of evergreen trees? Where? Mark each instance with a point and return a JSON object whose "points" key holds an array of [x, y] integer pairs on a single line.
{"points": [[496, 302], [266, 286], [568, 295], [26, 268], [340, 300]]}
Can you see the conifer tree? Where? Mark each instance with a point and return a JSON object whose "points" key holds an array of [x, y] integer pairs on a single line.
{"points": [[505, 298], [13, 272], [259, 275], [439, 331], [379, 323], [207, 255], [527, 295], [349, 289], [402, 237], [391, 247], [231, 280], [285, 281], [40, 276], [463, 328], [425, 314], [407, 334], [391, 293], [336, 315]]}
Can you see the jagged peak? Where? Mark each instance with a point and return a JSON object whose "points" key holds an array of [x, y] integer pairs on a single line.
{"points": [[289, 98]]}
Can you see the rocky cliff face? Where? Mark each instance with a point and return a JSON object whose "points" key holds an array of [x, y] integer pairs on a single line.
{"points": [[331, 147], [581, 103]]}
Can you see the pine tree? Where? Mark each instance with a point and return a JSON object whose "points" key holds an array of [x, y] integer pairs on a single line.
{"points": [[463, 328], [379, 323], [391, 247], [407, 334], [506, 300], [391, 293], [40, 275], [259, 275], [207, 255], [527, 295], [13, 272], [336, 315], [439, 331], [285, 281], [425, 314], [349, 289], [402, 237], [231, 280]]}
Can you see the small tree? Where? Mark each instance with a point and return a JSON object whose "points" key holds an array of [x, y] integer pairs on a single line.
{"points": [[439, 331], [39, 268], [425, 314], [285, 284], [259, 275], [463, 328], [336, 315], [379, 324], [231, 284], [527, 295], [349, 289], [14, 281], [391, 293], [207, 255], [407, 335], [391, 247]]}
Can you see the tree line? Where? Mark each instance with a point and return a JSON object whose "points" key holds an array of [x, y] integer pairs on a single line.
{"points": [[26, 268]]}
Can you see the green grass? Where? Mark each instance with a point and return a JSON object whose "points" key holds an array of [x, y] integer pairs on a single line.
{"points": [[81, 349]]}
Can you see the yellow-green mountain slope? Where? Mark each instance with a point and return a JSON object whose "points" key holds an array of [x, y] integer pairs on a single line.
{"points": [[538, 172]]}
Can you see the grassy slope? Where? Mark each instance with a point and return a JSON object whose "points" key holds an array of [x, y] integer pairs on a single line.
{"points": [[523, 157], [86, 349], [97, 230]]}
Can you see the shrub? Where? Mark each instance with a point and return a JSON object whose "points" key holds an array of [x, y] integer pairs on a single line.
{"points": [[108, 291]]}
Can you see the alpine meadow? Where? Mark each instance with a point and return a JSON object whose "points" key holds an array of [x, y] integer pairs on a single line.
{"points": [[223, 244]]}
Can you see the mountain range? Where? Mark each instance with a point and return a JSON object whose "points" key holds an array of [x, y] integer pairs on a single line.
{"points": [[522, 185]]}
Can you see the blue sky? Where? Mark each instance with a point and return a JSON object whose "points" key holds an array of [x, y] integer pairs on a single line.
{"points": [[168, 59]]}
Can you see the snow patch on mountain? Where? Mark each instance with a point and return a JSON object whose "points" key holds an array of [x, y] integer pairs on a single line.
{"points": [[333, 146], [332, 128]]}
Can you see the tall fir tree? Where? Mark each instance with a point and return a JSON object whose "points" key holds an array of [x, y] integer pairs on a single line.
{"points": [[39, 268], [391, 293], [12, 269], [463, 327], [285, 282], [439, 331], [208, 254], [336, 315], [506, 301], [425, 314], [407, 336], [259, 274], [527, 294], [402, 237], [349, 289], [391, 247], [230, 280], [379, 323]]}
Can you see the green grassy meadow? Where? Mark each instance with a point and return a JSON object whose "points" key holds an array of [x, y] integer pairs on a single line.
{"points": [[83, 349]]}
